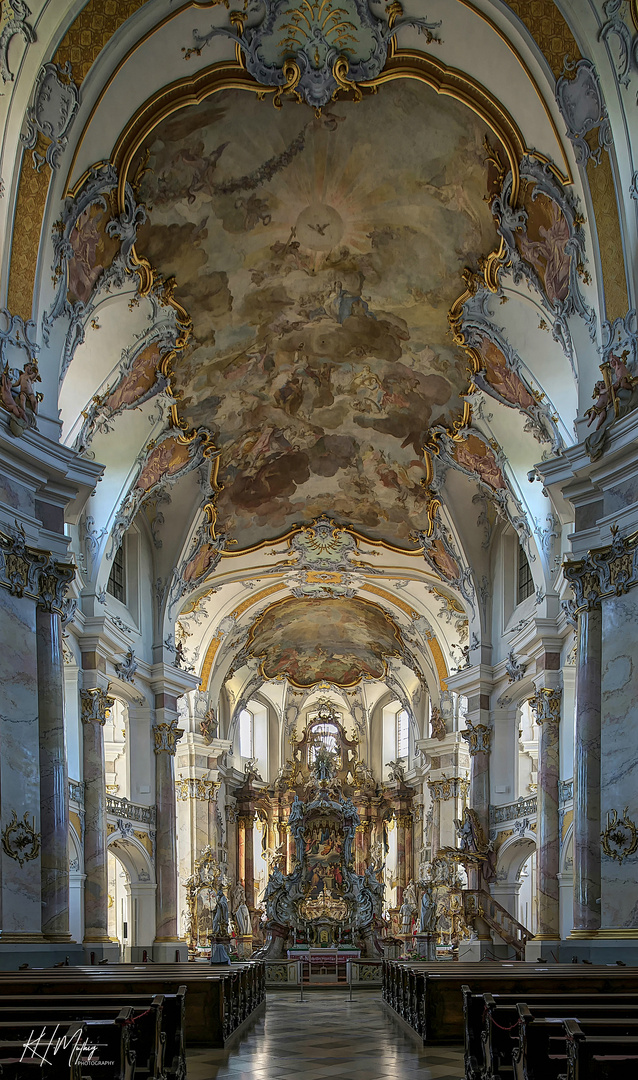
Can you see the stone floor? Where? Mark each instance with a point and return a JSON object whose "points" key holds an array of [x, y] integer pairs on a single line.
{"points": [[326, 1036]]}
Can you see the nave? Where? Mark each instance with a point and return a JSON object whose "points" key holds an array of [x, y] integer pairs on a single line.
{"points": [[325, 1035]]}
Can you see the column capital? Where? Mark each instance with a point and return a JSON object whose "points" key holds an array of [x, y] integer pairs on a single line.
{"points": [[29, 571], [545, 704], [404, 821], [604, 571], [453, 787], [96, 705], [478, 738], [167, 737]]}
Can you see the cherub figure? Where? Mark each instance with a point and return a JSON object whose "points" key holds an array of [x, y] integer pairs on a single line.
{"points": [[23, 388], [623, 378], [601, 393]]}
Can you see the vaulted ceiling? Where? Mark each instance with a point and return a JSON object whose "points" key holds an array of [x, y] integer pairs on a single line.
{"points": [[317, 346]]}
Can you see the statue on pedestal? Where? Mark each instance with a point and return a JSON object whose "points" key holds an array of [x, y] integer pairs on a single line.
{"points": [[240, 910], [406, 918], [220, 916], [428, 917]]}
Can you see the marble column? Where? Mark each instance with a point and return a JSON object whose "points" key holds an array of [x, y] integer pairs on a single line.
{"points": [[166, 735], [54, 785], [404, 852], [95, 708], [587, 825], [249, 872], [546, 704], [479, 738], [241, 851]]}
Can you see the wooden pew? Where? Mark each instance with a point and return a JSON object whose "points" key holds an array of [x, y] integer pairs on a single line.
{"points": [[436, 989], [219, 1000], [146, 1022], [474, 1008], [502, 1024], [593, 1053], [531, 1058], [59, 1043]]}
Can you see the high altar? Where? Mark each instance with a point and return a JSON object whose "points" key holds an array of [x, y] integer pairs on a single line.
{"points": [[323, 901]]}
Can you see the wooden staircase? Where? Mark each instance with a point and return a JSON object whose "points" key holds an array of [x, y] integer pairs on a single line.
{"points": [[478, 903]]}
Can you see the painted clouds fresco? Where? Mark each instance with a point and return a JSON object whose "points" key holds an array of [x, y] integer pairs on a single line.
{"points": [[318, 258]]}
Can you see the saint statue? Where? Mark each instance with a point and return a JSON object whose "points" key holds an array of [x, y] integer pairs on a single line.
{"points": [[220, 915]]}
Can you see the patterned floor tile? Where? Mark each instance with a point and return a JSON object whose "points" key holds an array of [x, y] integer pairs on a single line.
{"points": [[326, 1037]]}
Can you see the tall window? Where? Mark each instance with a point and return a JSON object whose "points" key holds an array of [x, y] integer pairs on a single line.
{"points": [[246, 739], [323, 734], [403, 734], [116, 584], [525, 582]]}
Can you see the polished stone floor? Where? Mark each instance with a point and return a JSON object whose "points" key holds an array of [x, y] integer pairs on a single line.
{"points": [[326, 1037]]}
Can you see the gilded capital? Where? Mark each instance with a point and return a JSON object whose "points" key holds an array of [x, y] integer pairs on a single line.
{"points": [[404, 821], [478, 738], [96, 705], [452, 787], [605, 571], [546, 705], [27, 571], [167, 737]]}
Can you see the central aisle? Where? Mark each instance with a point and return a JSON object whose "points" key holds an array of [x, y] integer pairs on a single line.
{"points": [[326, 1036]]}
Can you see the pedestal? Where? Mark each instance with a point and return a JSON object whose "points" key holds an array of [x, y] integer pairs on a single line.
{"points": [[244, 944], [426, 946]]}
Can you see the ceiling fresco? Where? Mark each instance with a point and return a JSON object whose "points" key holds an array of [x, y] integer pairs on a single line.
{"points": [[319, 288], [309, 641]]}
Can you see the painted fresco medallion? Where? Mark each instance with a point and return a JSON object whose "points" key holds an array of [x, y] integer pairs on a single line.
{"points": [[309, 641], [318, 258]]}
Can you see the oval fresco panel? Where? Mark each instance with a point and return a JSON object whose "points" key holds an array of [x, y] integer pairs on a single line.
{"points": [[318, 258], [335, 640]]}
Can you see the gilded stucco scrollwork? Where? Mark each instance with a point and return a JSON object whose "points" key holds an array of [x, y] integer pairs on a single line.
{"points": [[56, 100], [605, 571], [452, 787], [20, 840], [193, 787], [620, 838], [96, 705], [312, 51], [27, 571], [167, 737], [546, 704], [478, 738]]}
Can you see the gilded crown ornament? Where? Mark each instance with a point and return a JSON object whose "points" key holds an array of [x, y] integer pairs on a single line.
{"points": [[313, 49]]}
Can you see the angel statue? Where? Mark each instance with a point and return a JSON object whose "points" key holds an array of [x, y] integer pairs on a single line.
{"points": [[397, 769]]}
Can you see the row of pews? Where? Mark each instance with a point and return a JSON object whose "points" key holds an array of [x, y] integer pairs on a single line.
{"points": [[525, 1021], [121, 1021], [577, 1036]]}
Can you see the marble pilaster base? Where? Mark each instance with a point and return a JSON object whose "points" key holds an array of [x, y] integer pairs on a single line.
{"points": [[166, 952], [478, 949], [38, 954], [547, 948], [102, 950], [602, 950]]}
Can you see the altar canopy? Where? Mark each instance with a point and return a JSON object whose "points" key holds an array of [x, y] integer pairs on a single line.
{"points": [[323, 902]]}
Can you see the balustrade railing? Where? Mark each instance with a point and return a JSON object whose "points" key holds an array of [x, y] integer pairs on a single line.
{"points": [[122, 808], [511, 811]]}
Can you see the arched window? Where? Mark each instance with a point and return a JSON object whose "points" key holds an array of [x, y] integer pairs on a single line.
{"points": [[246, 734], [396, 735], [322, 734], [403, 734], [525, 581]]}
